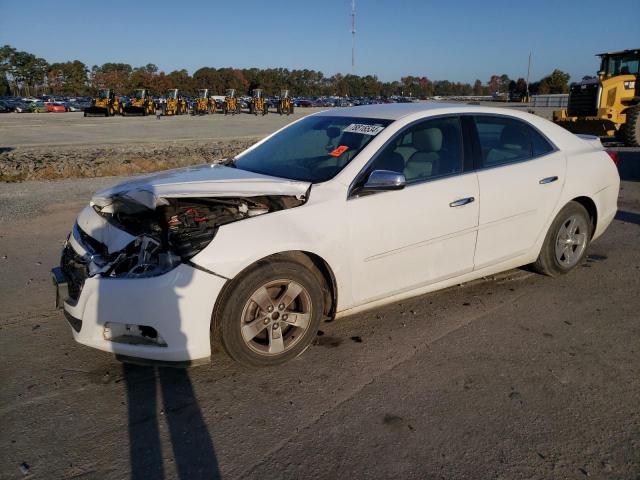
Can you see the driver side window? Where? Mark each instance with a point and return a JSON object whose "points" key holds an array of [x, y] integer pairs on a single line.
{"points": [[427, 150]]}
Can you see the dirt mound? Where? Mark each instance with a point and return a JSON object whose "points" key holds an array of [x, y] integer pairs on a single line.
{"points": [[42, 163]]}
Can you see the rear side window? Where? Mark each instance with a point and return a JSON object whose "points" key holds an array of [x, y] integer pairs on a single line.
{"points": [[540, 144], [506, 140]]}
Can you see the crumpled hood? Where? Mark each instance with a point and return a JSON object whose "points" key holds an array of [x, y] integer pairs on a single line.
{"points": [[199, 181]]}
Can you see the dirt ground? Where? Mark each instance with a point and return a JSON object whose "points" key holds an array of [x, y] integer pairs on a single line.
{"points": [[516, 376]]}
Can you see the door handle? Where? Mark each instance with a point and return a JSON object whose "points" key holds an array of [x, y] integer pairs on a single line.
{"points": [[544, 181], [462, 201]]}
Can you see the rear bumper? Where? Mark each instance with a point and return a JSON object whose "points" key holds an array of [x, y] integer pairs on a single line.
{"points": [[177, 306], [606, 201]]}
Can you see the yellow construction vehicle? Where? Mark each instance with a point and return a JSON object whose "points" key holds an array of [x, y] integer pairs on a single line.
{"points": [[202, 104], [176, 105], [285, 105], [106, 104], [257, 104], [140, 103], [608, 105], [231, 104]]}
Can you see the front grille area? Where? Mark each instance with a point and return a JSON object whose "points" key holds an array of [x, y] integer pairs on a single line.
{"points": [[75, 271], [583, 100]]}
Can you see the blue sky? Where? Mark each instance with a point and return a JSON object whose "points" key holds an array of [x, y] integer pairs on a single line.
{"points": [[455, 40]]}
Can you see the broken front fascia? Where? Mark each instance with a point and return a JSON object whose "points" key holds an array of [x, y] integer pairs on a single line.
{"points": [[123, 237]]}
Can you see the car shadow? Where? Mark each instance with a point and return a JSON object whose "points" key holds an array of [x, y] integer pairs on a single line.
{"points": [[628, 217], [157, 395], [193, 451], [629, 165]]}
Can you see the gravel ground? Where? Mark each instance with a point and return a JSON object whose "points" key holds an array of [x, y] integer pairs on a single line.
{"points": [[514, 376], [27, 199]]}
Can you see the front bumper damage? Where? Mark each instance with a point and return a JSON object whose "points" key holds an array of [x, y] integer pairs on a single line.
{"points": [[126, 280], [164, 318]]}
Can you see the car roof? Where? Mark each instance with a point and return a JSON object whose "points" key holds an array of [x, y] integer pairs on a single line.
{"points": [[389, 111]]}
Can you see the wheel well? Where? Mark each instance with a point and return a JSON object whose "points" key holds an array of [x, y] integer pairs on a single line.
{"points": [[590, 206], [323, 272], [316, 264]]}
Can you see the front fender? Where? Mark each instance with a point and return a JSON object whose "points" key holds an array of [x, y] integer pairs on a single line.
{"points": [[320, 229]]}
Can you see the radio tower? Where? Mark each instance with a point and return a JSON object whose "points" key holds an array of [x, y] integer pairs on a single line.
{"points": [[353, 36]]}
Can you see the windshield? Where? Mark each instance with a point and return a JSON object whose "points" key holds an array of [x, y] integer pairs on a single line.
{"points": [[202, 93], [103, 94], [139, 94], [314, 149], [172, 93], [622, 65]]}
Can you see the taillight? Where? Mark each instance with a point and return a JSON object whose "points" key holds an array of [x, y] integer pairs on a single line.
{"points": [[614, 156]]}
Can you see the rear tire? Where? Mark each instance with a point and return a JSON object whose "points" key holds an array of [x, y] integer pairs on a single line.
{"points": [[256, 322], [566, 242], [630, 131]]}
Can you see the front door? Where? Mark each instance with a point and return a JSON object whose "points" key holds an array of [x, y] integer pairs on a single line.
{"points": [[426, 232]]}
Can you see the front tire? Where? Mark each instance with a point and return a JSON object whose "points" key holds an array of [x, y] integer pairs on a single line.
{"points": [[631, 129], [566, 242], [269, 315]]}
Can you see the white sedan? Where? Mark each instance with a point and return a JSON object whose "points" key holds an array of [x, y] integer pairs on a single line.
{"points": [[339, 212]]}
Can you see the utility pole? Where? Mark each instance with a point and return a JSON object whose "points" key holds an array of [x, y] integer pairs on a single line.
{"points": [[353, 36], [528, 72]]}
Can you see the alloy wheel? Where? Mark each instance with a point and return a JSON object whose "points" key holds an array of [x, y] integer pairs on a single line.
{"points": [[276, 317], [571, 240]]}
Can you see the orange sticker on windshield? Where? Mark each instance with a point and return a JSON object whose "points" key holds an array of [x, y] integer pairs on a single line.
{"points": [[339, 151]]}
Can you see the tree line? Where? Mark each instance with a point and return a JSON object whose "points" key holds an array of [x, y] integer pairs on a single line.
{"points": [[22, 73]]}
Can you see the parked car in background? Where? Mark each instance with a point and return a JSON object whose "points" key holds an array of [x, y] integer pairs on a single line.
{"points": [[37, 107], [339, 212], [56, 107], [19, 106], [75, 106]]}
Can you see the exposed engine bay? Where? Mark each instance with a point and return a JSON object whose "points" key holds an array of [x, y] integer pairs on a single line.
{"points": [[150, 242]]}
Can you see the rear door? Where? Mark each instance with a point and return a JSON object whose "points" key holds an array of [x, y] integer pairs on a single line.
{"points": [[520, 176]]}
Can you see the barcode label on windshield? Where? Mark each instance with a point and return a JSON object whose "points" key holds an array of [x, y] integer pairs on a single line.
{"points": [[364, 129]]}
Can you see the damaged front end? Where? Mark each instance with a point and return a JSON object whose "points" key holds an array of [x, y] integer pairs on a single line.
{"points": [[126, 237]]}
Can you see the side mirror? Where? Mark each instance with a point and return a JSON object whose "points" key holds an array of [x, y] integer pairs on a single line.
{"points": [[382, 180]]}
